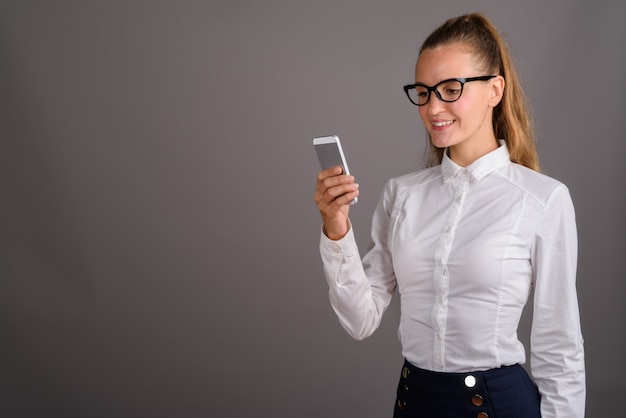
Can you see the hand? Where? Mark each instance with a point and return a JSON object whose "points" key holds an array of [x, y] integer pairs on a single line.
{"points": [[333, 193]]}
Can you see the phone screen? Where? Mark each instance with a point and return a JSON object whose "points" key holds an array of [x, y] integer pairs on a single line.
{"points": [[329, 156]]}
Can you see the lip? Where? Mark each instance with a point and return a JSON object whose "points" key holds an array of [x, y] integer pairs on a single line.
{"points": [[441, 125]]}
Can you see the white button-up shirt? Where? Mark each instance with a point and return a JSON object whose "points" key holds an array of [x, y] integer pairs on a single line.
{"points": [[465, 247]]}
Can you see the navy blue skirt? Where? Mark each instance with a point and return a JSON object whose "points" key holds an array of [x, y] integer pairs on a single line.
{"points": [[505, 392]]}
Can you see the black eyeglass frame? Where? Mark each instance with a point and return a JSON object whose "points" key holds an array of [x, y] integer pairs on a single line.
{"points": [[434, 88]]}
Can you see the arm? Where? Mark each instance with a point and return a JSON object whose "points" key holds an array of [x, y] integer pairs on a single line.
{"points": [[557, 354], [360, 291]]}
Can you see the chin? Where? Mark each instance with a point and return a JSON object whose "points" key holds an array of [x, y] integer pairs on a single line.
{"points": [[442, 143]]}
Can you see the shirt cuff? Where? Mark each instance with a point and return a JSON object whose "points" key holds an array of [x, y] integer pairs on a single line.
{"points": [[345, 245]]}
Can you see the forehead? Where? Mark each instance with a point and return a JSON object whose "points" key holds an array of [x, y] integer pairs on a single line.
{"points": [[445, 61]]}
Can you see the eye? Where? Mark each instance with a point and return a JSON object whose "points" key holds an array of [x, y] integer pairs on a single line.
{"points": [[421, 92], [450, 90]]}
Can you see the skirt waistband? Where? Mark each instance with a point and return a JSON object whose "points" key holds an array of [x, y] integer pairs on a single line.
{"points": [[444, 377]]}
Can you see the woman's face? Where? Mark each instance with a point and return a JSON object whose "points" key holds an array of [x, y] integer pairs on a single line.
{"points": [[464, 126]]}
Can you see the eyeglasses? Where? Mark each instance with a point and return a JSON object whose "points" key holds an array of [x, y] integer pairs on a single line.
{"points": [[447, 90]]}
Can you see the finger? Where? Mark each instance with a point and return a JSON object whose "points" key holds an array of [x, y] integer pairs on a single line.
{"points": [[323, 186], [330, 179], [345, 199], [324, 196], [334, 193], [335, 181], [333, 171]]}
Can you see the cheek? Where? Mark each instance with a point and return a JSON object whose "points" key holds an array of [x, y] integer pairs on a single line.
{"points": [[461, 107], [467, 112], [476, 104]]}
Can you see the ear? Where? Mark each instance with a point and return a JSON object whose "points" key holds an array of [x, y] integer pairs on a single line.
{"points": [[497, 90]]}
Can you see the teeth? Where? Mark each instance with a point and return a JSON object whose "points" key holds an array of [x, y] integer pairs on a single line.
{"points": [[442, 123]]}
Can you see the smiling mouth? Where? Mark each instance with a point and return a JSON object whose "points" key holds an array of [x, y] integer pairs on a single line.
{"points": [[442, 124]]}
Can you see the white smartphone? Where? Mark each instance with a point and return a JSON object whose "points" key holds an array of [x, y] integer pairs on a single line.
{"points": [[330, 154]]}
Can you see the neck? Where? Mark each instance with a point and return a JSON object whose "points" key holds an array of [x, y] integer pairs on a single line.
{"points": [[466, 153]]}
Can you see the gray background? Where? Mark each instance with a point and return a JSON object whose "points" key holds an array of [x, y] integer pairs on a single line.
{"points": [[159, 238]]}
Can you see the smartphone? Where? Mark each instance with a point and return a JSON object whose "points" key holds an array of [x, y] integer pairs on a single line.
{"points": [[330, 154]]}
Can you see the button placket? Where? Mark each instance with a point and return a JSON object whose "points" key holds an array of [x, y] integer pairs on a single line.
{"points": [[441, 276], [476, 399], [403, 389]]}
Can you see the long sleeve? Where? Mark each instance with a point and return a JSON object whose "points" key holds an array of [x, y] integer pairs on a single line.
{"points": [[557, 354], [360, 291]]}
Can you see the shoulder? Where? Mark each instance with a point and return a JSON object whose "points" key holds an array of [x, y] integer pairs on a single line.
{"points": [[398, 188], [537, 185]]}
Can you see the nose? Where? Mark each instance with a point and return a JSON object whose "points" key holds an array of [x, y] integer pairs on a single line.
{"points": [[434, 105]]}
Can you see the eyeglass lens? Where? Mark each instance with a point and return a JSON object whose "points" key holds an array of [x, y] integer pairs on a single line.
{"points": [[448, 91]]}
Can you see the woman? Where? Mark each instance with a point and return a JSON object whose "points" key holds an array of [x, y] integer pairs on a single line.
{"points": [[465, 242]]}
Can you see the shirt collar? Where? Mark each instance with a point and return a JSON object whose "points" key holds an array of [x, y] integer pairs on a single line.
{"points": [[479, 168]]}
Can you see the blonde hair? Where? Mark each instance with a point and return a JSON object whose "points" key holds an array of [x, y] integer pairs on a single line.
{"points": [[512, 119]]}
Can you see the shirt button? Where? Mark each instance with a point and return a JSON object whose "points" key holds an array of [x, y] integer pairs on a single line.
{"points": [[402, 404], [405, 372], [477, 400], [470, 381]]}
